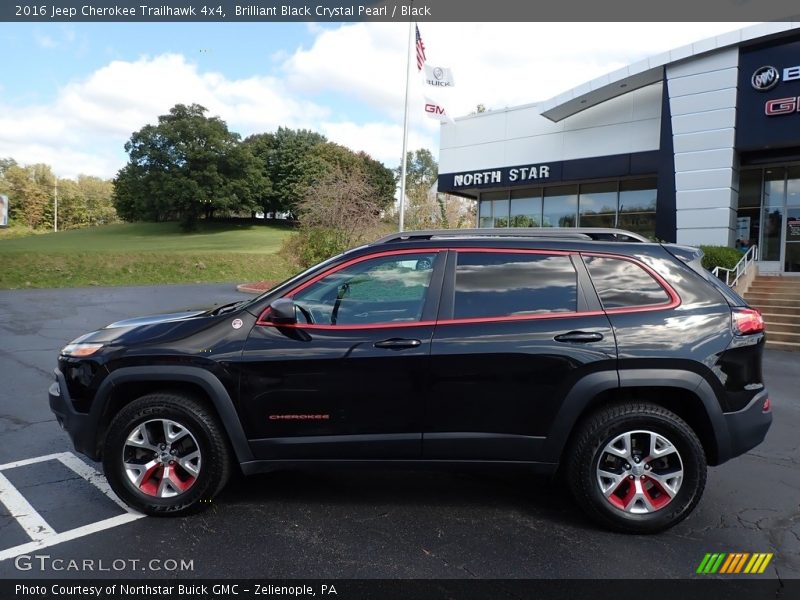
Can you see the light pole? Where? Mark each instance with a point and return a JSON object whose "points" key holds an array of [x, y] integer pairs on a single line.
{"points": [[55, 208]]}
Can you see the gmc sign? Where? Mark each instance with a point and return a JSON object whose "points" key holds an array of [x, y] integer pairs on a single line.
{"points": [[782, 106]]}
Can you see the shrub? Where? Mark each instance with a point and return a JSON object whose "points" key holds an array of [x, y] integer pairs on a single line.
{"points": [[337, 213], [720, 256], [312, 245]]}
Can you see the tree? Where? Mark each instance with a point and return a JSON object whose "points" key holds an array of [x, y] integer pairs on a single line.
{"points": [[480, 108], [30, 191], [85, 202], [5, 165], [283, 157], [423, 211], [186, 166], [338, 212], [295, 159]]}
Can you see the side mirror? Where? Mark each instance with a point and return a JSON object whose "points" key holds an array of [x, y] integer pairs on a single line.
{"points": [[282, 311]]}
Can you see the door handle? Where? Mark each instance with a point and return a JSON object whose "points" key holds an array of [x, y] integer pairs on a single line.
{"points": [[579, 337], [397, 344]]}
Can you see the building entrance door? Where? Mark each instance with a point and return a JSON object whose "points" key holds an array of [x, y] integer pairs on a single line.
{"points": [[791, 224]]}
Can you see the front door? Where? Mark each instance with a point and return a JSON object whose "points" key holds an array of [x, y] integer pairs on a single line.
{"points": [[347, 380]]}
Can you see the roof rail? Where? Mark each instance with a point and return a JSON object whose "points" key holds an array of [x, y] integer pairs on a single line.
{"points": [[606, 234]]}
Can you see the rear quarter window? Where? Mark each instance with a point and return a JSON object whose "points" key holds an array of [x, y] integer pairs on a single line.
{"points": [[624, 284]]}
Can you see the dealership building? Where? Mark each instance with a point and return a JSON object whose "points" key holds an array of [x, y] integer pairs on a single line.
{"points": [[699, 145]]}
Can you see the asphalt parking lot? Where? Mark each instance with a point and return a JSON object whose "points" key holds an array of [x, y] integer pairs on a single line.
{"points": [[377, 524]]}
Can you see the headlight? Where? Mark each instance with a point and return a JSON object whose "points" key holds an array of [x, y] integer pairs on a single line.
{"points": [[80, 350]]}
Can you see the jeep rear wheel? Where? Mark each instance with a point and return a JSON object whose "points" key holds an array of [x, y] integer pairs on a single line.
{"points": [[165, 453], [636, 468]]}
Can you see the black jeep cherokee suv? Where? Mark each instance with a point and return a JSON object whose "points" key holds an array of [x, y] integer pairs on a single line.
{"points": [[622, 362]]}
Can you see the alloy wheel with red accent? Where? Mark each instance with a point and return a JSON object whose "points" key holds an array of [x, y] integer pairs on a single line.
{"points": [[162, 458], [640, 471], [636, 467], [166, 453]]}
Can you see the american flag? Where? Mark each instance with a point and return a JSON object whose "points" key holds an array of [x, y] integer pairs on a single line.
{"points": [[420, 50]]}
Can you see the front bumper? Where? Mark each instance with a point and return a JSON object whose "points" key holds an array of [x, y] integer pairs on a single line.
{"points": [[748, 427], [81, 427]]}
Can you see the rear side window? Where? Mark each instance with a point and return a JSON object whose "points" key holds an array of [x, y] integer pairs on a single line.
{"points": [[624, 284], [490, 284]]}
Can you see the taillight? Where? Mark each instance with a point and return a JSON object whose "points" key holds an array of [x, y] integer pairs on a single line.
{"points": [[747, 321], [767, 406]]}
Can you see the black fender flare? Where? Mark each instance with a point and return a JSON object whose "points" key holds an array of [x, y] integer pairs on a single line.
{"points": [[587, 388], [212, 386]]}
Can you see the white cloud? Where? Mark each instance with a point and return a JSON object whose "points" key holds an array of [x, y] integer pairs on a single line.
{"points": [[95, 116], [357, 68], [382, 141], [496, 64]]}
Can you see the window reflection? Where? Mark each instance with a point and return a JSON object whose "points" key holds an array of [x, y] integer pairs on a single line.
{"points": [[628, 204], [509, 284]]}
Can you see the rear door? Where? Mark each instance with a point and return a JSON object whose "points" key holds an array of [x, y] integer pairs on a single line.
{"points": [[517, 328]]}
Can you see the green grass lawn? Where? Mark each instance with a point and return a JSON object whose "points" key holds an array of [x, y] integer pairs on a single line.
{"points": [[144, 253]]}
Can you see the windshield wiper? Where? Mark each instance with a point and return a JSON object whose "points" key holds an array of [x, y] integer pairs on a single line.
{"points": [[226, 308]]}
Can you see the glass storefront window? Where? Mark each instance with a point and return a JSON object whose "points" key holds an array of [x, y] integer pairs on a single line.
{"points": [[637, 206], [499, 208], [772, 213], [560, 206], [793, 186], [526, 208], [774, 186], [485, 214], [748, 214], [598, 204]]}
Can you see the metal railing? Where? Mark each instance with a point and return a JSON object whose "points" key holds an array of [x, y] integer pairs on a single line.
{"points": [[741, 267]]}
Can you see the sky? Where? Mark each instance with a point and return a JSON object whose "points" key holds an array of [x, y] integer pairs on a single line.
{"points": [[72, 94]]}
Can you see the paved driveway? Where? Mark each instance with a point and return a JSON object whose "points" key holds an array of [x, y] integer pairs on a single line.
{"points": [[351, 524]]}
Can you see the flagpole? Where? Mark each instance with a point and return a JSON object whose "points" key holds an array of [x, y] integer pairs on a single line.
{"points": [[403, 164]]}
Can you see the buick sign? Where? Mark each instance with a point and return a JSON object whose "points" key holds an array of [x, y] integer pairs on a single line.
{"points": [[765, 78]]}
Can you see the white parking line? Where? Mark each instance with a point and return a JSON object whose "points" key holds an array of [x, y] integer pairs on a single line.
{"points": [[30, 520], [90, 474], [66, 536], [40, 532]]}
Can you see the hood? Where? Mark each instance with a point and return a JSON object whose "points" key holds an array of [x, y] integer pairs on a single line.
{"points": [[153, 328], [155, 319]]}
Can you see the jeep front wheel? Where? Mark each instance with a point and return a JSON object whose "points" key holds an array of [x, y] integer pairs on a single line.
{"points": [[165, 453]]}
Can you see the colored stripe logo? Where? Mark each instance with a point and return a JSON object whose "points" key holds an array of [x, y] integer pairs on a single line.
{"points": [[734, 563]]}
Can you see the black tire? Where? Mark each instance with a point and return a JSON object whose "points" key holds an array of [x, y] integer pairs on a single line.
{"points": [[206, 433], [589, 445]]}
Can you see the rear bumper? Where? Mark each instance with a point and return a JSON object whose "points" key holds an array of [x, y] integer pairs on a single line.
{"points": [[81, 427], [747, 428]]}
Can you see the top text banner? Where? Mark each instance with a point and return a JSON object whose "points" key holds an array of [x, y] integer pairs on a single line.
{"points": [[421, 10]]}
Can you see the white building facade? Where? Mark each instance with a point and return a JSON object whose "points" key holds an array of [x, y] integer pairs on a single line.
{"points": [[700, 145]]}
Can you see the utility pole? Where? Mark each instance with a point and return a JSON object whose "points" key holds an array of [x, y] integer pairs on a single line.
{"points": [[55, 208]]}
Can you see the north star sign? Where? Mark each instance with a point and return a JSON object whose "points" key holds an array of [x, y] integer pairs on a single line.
{"points": [[514, 175]]}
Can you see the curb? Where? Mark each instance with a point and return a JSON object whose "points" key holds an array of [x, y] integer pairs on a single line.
{"points": [[258, 287]]}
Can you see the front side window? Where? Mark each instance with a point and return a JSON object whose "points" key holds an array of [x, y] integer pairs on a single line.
{"points": [[388, 289], [623, 284], [492, 284]]}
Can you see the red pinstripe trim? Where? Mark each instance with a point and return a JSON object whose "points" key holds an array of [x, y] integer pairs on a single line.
{"points": [[674, 302]]}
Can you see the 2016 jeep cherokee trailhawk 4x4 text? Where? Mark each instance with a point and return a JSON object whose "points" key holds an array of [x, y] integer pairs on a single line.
{"points": [[620, 361]]}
